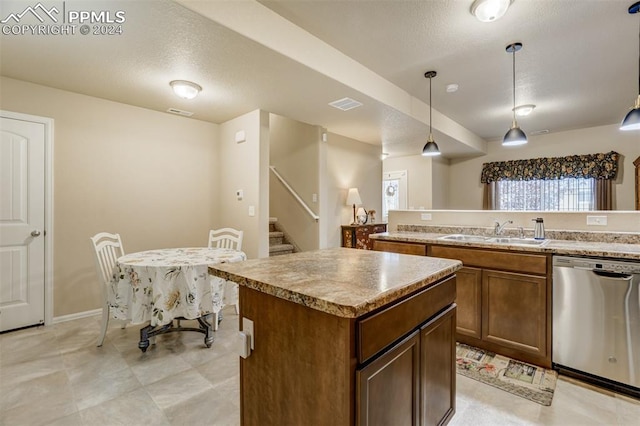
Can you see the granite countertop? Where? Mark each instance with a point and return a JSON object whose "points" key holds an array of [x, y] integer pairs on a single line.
{"points": [[340, 281], [559, 247]]}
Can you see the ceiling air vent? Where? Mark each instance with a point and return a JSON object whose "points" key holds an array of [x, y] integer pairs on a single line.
{"points": [[180, 112], [345, 104]]}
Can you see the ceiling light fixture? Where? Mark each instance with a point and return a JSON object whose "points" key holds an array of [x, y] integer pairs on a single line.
{"points": [[384, 155], [489, 10], [632, 119], [451, 88], [524, 110], [185, 89], [515, 136], [431, 148]]}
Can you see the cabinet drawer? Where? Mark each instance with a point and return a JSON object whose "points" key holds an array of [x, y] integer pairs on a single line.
{"points": [[402, 248], [384, 327], [510, 261]]}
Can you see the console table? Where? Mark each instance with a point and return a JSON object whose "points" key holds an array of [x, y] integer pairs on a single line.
{"points": [[357, 236]]}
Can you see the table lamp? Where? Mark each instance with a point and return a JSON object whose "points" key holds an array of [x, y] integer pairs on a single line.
{"points": [[353, 198]]}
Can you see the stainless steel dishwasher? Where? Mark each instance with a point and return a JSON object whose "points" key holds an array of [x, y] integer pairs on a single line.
{"points": [[596, 320]]}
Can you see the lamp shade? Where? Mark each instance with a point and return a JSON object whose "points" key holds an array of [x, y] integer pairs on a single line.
{"points": [[353, 197], [515, 136], [631, 121]]}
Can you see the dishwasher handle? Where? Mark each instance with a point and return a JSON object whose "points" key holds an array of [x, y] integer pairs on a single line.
{"points": [[613, 275]]}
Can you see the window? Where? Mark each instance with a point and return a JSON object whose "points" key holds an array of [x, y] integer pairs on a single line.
{"points": [[565, 194]]}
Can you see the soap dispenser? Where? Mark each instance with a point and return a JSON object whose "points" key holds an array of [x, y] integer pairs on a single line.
{"points": [[538, 231]]}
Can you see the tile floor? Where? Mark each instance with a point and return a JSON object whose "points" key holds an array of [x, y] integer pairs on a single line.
{"points": [[57, 376]]}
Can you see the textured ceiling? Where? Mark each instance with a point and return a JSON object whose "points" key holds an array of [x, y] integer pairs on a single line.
{"points": [[579, 64]]}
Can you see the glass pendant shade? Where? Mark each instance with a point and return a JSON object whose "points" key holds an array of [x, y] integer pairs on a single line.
{"points": [[431, 148], [515, 136], [632, 119]]}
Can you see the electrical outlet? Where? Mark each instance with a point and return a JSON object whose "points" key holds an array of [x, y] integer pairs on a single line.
{"points": [[247, 328], [597, 220], [425, 216]]}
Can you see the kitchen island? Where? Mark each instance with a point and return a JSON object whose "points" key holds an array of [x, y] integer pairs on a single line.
{"points": [[347, 337]]}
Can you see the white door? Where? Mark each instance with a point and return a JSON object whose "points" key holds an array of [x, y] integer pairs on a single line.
{"points": [[22, 220], [394, 192]]}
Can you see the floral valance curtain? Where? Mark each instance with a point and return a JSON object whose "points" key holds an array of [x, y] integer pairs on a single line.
{"points": [[598, 166]]}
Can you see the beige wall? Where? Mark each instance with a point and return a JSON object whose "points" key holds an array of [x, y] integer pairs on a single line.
{"points": [[144, 174], [294, 151], [349, 163], [420, 173], [617, 221], [465, 189], [244, 166]]}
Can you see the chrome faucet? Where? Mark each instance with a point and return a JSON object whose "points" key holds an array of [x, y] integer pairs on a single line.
{"points": [[497, 230]]}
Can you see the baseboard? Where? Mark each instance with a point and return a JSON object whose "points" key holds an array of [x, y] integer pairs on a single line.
{"points": [[78, 315]]}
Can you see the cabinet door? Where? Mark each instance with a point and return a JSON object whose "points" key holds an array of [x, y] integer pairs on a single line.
{"points": [[469, 301], [387, 389], [515, 311], [438, 368]]}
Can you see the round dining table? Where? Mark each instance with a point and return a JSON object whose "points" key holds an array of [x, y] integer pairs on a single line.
{"points": [[160, 286]]}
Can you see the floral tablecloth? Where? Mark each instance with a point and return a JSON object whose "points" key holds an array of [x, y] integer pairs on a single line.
{"points": [[160, 285]]}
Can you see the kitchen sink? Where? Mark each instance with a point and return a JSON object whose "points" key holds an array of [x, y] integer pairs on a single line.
{"points": [[498, 240], [462, 237], [518, 241]]}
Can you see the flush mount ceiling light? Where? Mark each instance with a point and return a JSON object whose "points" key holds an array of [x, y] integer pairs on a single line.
{"points": [[489, 10], [515, 136], [452, 88], [631, 121], [431, 148], [524, 110], [185, 89]]}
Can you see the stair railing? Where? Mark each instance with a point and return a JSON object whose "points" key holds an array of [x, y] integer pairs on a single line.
{"points": [[295, 195]]}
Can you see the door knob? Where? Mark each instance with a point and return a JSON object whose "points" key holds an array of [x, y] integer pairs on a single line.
{"points": [[35, 233]]}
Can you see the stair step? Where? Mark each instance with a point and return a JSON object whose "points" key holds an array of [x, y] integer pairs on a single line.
{"points": [[276, 238], [279, 249], [273, 219]]}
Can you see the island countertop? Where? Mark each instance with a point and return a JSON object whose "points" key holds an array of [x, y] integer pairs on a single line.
{"points": [[340, 281]]}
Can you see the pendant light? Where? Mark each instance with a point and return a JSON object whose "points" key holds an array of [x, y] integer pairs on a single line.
{"points": [[431, 148], [632, 119], [515, 136]]}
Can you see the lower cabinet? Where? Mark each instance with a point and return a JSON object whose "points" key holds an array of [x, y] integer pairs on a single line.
{"points": [[414, 382], [504, 301]]}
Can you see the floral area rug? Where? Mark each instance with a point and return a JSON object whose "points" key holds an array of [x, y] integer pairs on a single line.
{"points": [[526, 380]]}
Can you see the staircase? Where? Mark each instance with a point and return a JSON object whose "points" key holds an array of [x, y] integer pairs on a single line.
{"points": [[278, 243]]}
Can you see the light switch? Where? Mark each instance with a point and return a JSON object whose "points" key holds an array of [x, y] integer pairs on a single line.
{"points": [[240, 136], [314, 198], [252, 211]]}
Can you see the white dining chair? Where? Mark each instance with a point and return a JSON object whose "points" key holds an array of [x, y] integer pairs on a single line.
{"points": [[108, 248], [226, 238], [232, 239]]}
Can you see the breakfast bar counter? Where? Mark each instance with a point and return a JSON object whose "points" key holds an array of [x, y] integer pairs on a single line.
{"points": [[345, 337]]}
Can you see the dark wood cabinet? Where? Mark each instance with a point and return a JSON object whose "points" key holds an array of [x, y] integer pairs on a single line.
{"points": [[504, 301], [514, 312], [398, 247], [389, 388], [437, 372], [469, 301], [357, 236]]}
